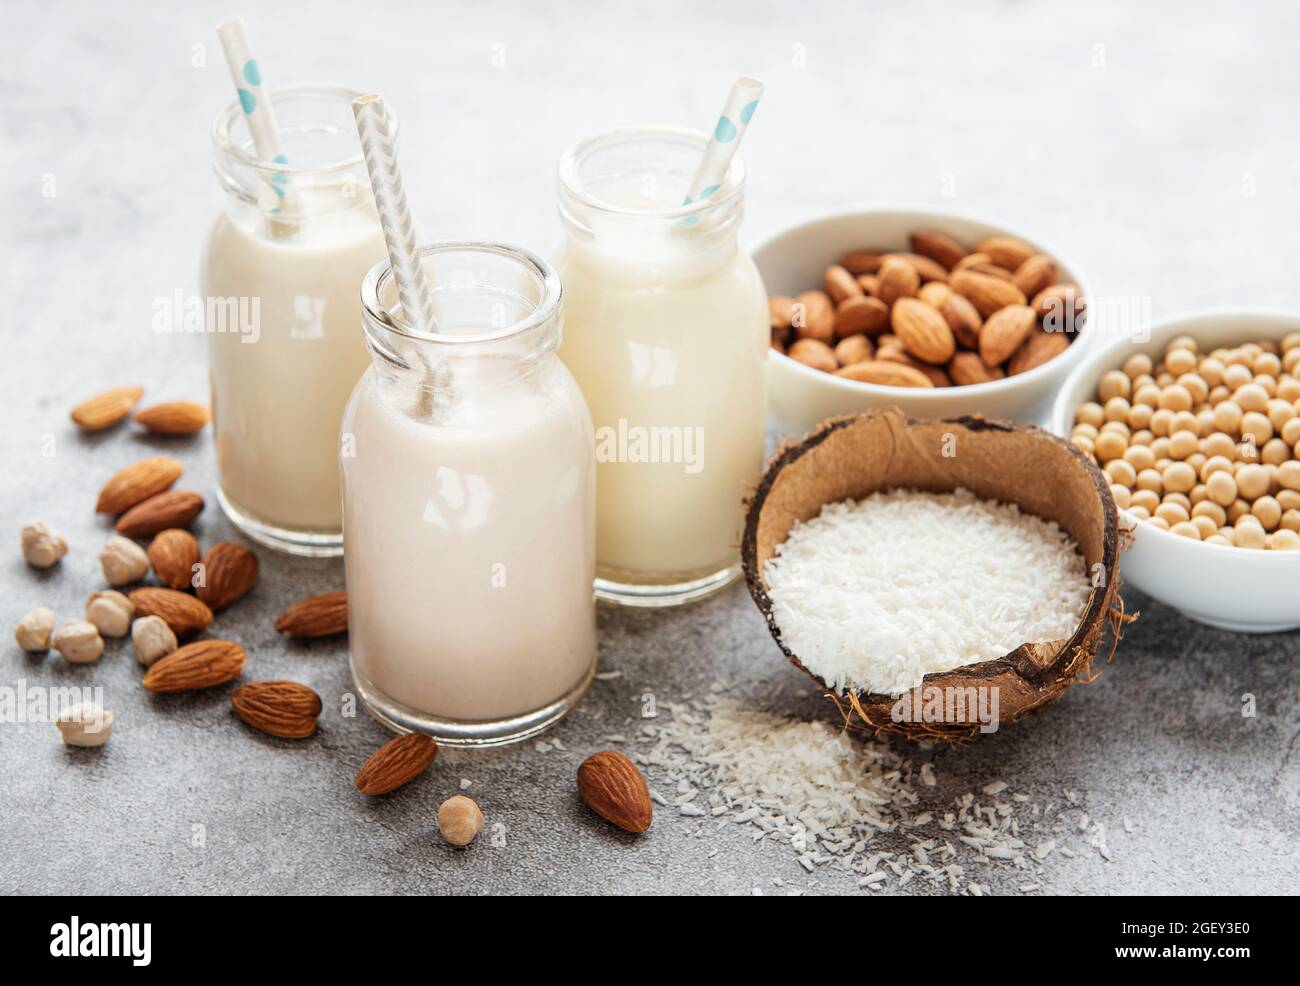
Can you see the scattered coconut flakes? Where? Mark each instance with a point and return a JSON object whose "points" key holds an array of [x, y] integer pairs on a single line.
{"points": [[608, 675], [465, 782], [997, 787], [1128, 826], [870, 600], [825, 793]]}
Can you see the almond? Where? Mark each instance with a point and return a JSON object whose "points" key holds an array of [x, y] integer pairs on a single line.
{"points": [[317, 616], [173, 555], [986, 293], [1059, 306], [938, 247], [814, 317], [1004, 331], [280, 708], [870, 284], [1036, 273], [854, 349], [967, 368], [972, 260], [858, 262], [1039, 347], [885, 373], [963, 319], [860, 315], [935, 293], [895, 353], [230, 572], [175, 508], [812, 352], [173, 418], [106, 409], [840, 284], [992, 270], [929, 270], [898, 279], [614, 789], [180, 611], [396, 762], [201, 664], [138, 482], [781, 310], [923, 331], [1006, 251]]}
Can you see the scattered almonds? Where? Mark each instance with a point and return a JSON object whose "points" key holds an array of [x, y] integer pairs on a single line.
{"points": [[173, 555], [152, 639], [123, 561], [316, 616], [85, 724], [106, 409], [202, 664], [396, 762], [79, 642], [460, 820], [173, 418], [43, 546], [279, 708], [110, 612], [230, 572], [614, 789], [174, 508], [181, 611], [35, 629], [942, 311], [137, 482], [1204, 446]]}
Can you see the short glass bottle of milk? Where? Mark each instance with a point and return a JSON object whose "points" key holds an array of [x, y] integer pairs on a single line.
{"points": [[469, 505], [667, 333], [279, 277]]}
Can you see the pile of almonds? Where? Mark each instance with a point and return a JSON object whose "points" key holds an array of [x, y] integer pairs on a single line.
{"points": [[937, 316], [1206, 445]]}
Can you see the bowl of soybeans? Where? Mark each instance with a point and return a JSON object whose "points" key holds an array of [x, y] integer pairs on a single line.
{"points": [[1197, 428]]}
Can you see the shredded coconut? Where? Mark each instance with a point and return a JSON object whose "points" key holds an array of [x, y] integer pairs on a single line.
{"points": [[874, 594]]}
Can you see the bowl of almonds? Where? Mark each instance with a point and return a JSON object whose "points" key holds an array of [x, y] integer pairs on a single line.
{"points": [[936, 313], [1197, 429]]}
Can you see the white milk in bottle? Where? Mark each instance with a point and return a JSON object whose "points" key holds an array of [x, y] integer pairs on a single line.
{"points": [[667, 333], [279, 277], [469, 498]]}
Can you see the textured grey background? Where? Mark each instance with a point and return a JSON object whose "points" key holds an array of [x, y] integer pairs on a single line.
{"points": [[1154, 143]]}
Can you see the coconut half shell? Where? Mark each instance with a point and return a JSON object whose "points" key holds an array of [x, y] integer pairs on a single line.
{"points": [[852, 457]]}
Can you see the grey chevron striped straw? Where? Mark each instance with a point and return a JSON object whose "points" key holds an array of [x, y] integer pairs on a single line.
{"points": [[394, 216]]}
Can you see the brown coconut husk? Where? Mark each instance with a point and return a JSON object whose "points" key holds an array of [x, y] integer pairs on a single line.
{"points": [[851, 457]]}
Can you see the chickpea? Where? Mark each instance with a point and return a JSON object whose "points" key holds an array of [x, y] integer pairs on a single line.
{"points": [[1267, 364], [1149, 479], [1288, 475], [1116, 426], [1186, 529], [1119, 471], [1219, 394], [1175, 398], [1180, 361], [1114, 383], [1250, 535], [1211, 370], [1121, 495], [1207, 508], [1145, 499], [1267, 384], [1159, 522], [1289, 498], [1251, 397], [1183, 443], [1228, 534], [1142, 436], [1141, 513], [1139, 456], [1285, 540], [1252, 481], [1215, 463], [1257, 426], [1181, 499], [1291, 431], [1290, 520], [1237, 509], [1205, 526], [1218, 539], [1148, 395], [1160, 449], [1090, 413], [1110, 445], [1139, 416], [1275, 452], [1267, 511], [1219, 445], [1161, 421], [1227, 417], [1116, 409], [1198, 494], [1288, 388], [1083, 443], [1137, 365], [1221, 488], [1164, 379]]}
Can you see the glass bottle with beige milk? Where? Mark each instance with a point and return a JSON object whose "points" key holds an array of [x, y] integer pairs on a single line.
{"points": [[295, 238], [667, 333], [469, 505]]}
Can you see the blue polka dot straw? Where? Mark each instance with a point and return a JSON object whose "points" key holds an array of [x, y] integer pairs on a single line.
{"points": [[247, 76], [727, 135]]}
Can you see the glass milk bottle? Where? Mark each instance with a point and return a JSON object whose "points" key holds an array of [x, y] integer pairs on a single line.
{"points": [[469, 505], [667, 333], [279, 276]]}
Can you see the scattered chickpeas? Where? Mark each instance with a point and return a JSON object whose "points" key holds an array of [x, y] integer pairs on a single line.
{"points": [[459, 820], [1205, 445]]}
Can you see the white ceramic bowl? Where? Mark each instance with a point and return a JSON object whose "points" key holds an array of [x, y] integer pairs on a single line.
{"points": [[800, 397], [1231, 588]]}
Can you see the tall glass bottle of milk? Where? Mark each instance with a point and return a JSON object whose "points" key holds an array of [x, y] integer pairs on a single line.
{"points": [[279, 277], [469, 484], [667, 333]]}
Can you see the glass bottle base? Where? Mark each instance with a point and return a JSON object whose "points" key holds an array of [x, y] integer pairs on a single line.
{"points": [[307, 544], [638, 589], [466, 732]]}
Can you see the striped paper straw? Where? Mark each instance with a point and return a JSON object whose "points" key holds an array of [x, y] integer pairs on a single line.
{"points": [[256, 105], [394, 216], [732, 124]]}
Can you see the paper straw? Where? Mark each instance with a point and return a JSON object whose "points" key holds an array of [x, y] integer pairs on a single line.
{"points": [[727, 135], [246, 75], [394, 216]]}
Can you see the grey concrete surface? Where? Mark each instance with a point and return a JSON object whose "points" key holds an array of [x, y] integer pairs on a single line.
{"points": [[1151, 142]]}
